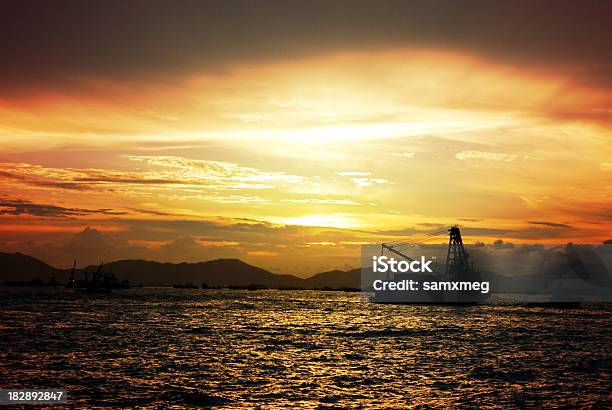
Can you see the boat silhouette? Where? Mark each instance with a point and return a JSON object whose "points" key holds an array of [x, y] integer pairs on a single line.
{"points": [[95, 281], [458, 268]]}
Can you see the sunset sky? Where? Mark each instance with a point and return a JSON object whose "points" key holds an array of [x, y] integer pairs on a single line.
{"points": [[286, 134]]}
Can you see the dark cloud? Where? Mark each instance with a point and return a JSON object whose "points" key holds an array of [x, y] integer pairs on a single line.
{"points": [[21, 207], [590, 262], [499, 244], [499, 260], [124, 180], [46, 44], [186, 248], [93, 182], [528, 248], [431, 225], [150, 212], [209, 174], [537, 230], [221, 229], [550, 224], [434, 229], [92, 246], [43, 183], [467, 231]]}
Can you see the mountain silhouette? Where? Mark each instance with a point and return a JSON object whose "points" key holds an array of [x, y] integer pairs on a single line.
{"points": [[17, 266], [335, 279], [218, 272]]}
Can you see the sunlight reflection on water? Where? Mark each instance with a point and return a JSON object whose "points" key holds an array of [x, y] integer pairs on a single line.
{"points": [[164, 347]]}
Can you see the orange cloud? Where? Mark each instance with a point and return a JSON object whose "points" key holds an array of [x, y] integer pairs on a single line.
{"points": [[318, 148]]}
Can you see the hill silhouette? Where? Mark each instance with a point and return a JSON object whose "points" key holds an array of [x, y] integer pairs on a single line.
{"points": [[218, 272], [17, 266], [335, 279]]}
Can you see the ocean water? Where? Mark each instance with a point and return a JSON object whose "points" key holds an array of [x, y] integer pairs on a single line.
{"points": [[180, 348]]}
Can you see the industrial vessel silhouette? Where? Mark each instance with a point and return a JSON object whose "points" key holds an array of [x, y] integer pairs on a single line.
{"points": [[458, 268], [96, 281]]}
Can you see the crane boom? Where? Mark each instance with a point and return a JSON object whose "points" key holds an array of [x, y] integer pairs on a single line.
{"points": [[395, 251]]}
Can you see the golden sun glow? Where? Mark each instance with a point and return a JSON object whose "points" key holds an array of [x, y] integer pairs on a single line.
{"points": [[373, 141], [337, 221]]}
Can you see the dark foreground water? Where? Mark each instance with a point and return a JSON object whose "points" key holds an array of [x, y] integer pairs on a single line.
{"points": [[199, 348]]}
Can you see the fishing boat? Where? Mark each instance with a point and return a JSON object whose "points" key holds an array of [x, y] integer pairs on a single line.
{"points": [[95, 281]]}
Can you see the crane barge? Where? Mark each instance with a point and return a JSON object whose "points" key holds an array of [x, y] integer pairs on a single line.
{"points": [[457, 284]]}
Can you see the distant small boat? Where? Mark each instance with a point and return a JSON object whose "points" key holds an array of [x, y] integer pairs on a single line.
{"points": [[185, 286], [206, 286]]}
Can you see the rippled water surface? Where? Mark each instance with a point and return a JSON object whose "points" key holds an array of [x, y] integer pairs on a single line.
{"points": [[198, 348]]}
